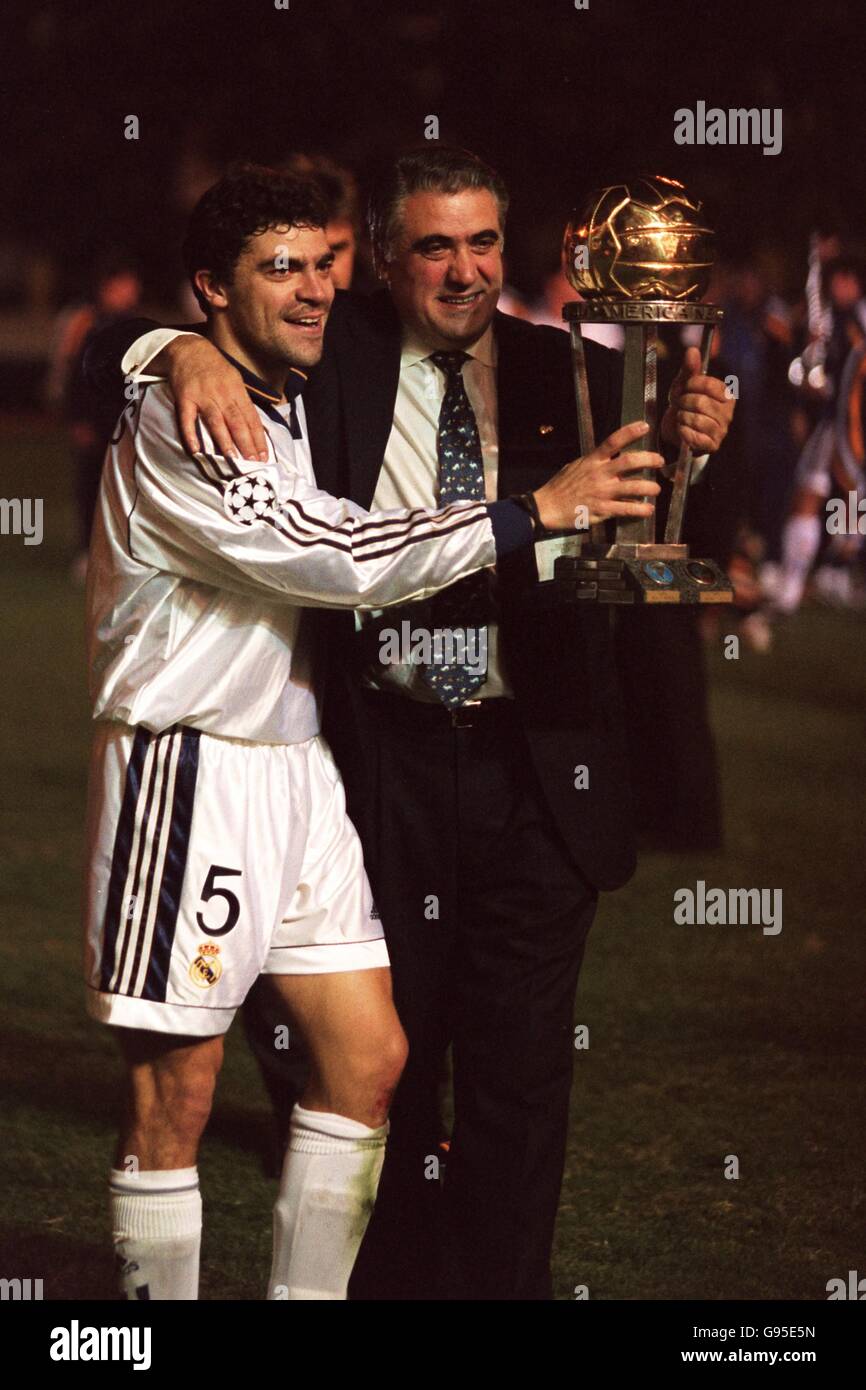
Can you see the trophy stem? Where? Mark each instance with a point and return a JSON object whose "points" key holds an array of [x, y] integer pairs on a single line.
{"points": [[586, 429], [639, 381], [683, 473]]}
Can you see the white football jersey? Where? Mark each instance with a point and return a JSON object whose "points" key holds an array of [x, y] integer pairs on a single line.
{"points": [[200, 569]]}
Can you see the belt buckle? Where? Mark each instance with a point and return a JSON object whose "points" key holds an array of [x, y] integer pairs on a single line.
{"points": [[461, 715]]}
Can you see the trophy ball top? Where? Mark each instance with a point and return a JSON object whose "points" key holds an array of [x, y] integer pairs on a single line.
{"points": [[645, 239]]}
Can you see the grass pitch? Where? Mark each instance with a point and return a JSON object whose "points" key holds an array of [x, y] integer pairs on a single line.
{"points": [[705, 1042]]}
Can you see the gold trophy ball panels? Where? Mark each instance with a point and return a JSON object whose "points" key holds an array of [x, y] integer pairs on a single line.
{"points": [[642, 240]]}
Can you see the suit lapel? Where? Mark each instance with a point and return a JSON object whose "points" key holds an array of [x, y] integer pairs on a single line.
{"points": [[369, 375], [509, 398], [322, 406], [349, 401], [535, 399]]}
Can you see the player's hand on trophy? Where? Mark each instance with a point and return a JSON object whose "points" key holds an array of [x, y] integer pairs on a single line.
{"points": [[598, 486], [207, 387], [699, 409]]}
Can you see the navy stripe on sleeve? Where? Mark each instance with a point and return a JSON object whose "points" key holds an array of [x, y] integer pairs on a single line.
{"points": [[512, 526]]}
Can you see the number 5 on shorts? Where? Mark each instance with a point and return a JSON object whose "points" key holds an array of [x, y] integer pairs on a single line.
{"points": [[212, 890]]}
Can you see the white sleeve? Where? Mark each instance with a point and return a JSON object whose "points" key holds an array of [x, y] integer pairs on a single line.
{"points": [[259, 529], [145, 348]]}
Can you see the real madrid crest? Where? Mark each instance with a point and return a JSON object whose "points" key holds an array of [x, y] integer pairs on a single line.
{"points": [[250, 498], [207, 967]]}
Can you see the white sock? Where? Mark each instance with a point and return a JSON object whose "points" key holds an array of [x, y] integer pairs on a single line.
{"points": [[800, 541], [327, 1191], [156, 1221]]}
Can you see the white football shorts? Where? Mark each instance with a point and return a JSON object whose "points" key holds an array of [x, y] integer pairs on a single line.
{"points": [[212, 861]]}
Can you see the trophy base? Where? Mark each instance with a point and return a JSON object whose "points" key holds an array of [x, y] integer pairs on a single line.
{"points": [[639, 574]]}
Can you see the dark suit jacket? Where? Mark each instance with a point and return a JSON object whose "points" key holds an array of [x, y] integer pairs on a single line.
{"points": [[560, 661]]}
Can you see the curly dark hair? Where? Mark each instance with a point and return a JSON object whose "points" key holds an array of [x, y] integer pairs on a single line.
{"points": [[247, 200]]}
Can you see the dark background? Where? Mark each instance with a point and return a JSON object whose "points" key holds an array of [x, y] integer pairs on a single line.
{"points": [[558, 99]]}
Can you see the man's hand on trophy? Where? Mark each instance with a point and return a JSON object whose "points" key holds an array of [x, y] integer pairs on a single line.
{"points": [[207, 387], [699, 409], [594, 487]]}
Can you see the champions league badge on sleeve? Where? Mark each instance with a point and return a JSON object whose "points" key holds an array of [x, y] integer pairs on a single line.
{"points": [[250, 498]]}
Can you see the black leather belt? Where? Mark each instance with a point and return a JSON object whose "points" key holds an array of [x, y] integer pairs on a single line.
{"points": [[472, 714]]}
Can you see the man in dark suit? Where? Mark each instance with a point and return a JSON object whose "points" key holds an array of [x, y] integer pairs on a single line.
{"points": [[493, 802]]}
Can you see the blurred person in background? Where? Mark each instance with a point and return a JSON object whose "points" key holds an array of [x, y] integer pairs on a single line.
{"points": [[89, 418], [546, 308], [339, 188], [755, 340], [757, 336], [831, 464]]}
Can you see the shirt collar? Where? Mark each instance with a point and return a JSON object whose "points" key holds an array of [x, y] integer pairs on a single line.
{"points": [[267, 399], [260, 392], [484, 351]]}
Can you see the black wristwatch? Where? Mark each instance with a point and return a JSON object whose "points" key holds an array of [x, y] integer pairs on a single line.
{"points": [[527, 501]]}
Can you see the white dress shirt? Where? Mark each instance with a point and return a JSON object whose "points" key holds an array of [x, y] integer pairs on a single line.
{"points": [[410, 475]]}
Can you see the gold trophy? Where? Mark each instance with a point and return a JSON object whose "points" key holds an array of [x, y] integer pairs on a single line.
{"points": [[640, 256]]}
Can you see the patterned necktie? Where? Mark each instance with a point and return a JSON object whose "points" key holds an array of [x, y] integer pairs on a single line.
{"points": [[462, 608]]}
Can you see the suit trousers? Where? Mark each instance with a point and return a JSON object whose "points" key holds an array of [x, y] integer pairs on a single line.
{"points": [[486, 918]]}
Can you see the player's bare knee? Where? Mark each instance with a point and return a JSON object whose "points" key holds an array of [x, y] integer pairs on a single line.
{"points": [[382, 1067], [361, 1082], [396, 1055]]}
